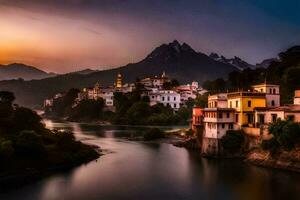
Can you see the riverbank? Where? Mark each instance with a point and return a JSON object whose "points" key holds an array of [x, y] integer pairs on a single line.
{"points": [[11, 179], [285, 160]]}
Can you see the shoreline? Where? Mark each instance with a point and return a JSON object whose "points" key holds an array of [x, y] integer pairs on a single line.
{"points": [[10, 180], [287, 161]]}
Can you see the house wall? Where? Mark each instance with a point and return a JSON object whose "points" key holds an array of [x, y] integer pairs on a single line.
{"points": [[273, 100], [297, 100]]}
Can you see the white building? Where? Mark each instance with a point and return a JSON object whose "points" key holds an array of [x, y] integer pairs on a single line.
{"points": [[217, 101], [264, 116], [297, 97], [217, 121], [165, 97], [156, 81], [272, 93], [107, 94]]}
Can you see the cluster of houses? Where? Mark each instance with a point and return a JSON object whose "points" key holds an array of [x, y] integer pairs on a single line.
{"points": [[250, 111], [153, 87]]}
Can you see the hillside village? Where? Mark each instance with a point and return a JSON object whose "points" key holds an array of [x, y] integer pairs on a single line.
{"points": [[159, 90], [249, 111]]}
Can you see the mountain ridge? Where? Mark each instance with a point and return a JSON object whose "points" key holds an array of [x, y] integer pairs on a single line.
{"points": [[179, 61], [23, 71]]}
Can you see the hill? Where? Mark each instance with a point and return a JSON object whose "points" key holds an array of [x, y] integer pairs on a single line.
{"points": [[179, 61], [17, 70], [284, 71]]}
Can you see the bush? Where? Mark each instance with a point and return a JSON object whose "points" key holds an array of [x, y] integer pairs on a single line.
{"points": [[29, 143], [6, 149], [233, 140], [286, 133], [270, 145], [153, 134]]}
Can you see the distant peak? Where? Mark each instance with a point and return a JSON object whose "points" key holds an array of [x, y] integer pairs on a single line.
{"points": [[175, 43]]}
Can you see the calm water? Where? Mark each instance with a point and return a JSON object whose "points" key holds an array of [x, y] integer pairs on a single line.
{"points": [[134, 170]]}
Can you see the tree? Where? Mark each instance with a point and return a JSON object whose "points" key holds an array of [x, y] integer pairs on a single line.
{"points": [[30, 144], [233, 140], [6, 149], [286, 133], [6, 109], [170, 85], [153, 134], [6, 97], [138, 113], [87, 109], [26, 119]]}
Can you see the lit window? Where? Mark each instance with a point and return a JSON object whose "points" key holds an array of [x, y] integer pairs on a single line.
{"points": [[274, 117], [249, 103]]}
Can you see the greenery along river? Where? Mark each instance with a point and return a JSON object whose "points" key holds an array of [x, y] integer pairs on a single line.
{"points": [[135, 170]]}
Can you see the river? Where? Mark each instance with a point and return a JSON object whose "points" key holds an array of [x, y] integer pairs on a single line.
{"points": [[135, 170]]}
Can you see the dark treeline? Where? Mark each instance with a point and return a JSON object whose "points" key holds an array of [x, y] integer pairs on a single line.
{"points": [[285, 72], [26, 143]]}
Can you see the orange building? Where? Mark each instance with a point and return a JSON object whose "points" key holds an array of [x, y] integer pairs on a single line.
{"points": [[197, 118]]}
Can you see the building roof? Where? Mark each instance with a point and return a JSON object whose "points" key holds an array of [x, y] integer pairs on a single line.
{"points": [[265, 84], [219, 109], [246, 94], [285, 108]]}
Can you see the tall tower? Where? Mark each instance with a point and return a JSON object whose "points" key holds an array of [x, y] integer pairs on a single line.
{"points": [[119, 81]]}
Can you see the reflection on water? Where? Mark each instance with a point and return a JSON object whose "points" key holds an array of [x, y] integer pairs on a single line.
{"points": [[138, 170]]}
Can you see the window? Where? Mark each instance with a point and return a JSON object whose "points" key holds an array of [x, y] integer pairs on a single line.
{"points": [[230, 126], [174, 98], [168, 98], [261, 90], [250, 118], [236, 118], [230, 104], [273, 103], [220, 115], [216, 104], [261, 118], [274, 91], [270, 91], [274, 117], [249, 104], [291, 117], [174, 105], [223, 125], [236, 104], [163, 98], [228, 115]]}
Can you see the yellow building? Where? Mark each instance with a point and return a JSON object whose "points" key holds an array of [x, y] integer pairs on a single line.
{"points": [[244, 103], [118, 83]]}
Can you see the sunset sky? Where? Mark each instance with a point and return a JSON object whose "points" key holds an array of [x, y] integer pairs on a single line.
{"points": [[68, 35]]}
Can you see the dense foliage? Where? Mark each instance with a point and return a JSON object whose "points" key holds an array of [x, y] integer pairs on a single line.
{"points": [[26, 143], [285, 72], [153, 134], [233, 140], [286, 134], [133, 109]]}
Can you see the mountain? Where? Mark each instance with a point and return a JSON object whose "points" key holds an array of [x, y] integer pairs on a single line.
{"points": [[85, 71], [284, 71], [236, 61], [17, 70], [267, 62], [179, 61]]}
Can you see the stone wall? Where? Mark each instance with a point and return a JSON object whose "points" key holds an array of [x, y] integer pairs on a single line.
{"points": [[210, 147]]}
